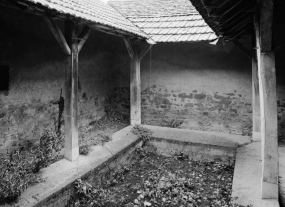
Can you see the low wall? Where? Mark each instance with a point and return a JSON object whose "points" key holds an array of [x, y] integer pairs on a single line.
{"points": [[103, 161]]}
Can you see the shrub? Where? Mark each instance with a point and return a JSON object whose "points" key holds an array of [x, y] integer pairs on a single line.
{"points": [[18, 168], [48, 150], [13, 176], [142, 133], [84, 149], [87, 195]]}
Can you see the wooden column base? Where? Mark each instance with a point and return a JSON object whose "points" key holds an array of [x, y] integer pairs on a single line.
{"points": [[256, 136], [269, 190], [134, 122], [71, 154]]}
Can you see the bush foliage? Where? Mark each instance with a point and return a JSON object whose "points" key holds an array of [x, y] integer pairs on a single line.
{"points": [[87, 195], [142, 133], [18, 168]]}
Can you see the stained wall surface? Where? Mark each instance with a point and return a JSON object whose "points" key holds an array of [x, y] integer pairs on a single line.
{"points": [[37, 74]]}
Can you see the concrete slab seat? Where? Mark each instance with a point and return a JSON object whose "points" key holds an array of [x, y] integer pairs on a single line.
{"points": [[197, 144]]}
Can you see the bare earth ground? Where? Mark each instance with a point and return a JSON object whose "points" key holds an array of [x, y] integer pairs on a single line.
{"points": [[155, 180]]}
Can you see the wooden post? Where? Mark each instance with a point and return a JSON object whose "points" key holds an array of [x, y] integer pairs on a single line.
{"points": [[71, 150], [268, 103], [135, 85], [71, 44], [135, 79], [256, 125]]}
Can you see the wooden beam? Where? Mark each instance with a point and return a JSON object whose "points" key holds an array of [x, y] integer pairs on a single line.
{"points": [[58, 35], [135, 81], [135, 85], [256, 124], [243, 49], [266, 20], [130, 48], [71, 150], [268, 104], [256, 24], [268, 108], [144, 51], [83, 36], [255, 76]]}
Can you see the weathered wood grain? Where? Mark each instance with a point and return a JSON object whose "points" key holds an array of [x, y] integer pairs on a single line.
{"points": [[58, 35]]}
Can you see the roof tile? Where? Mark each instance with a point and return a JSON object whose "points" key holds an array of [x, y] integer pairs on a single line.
{"points": [[173, 24], [190, 24], [182, 31], [182, 23], [152, 8], [94, 11], [165, 31], [157, 24], [174, 30], [166, 24], [173, 38], [156, 38], [184, 37], [192, 30]]}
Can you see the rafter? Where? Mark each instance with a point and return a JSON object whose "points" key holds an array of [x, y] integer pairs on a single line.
{"points": [[83, 37], [58, 35]]}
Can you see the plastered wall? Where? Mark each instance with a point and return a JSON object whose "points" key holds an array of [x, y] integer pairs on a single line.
{"points": [[37, 65]]}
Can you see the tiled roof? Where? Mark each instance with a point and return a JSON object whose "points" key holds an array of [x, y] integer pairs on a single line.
{"points": [[166, 20], [95, 11], [187, 28], [151, 8]]}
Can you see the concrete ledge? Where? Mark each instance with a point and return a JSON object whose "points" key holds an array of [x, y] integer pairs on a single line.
{"points": [[196, 151], [247, 177], [60, 175], [200, 137]]}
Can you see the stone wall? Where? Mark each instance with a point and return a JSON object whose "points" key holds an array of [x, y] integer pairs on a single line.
{"points": [[37, 65], [199, 86]]}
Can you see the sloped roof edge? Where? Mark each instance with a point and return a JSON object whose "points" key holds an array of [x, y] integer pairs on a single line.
{"points": [[166, 22], [93, 11]]}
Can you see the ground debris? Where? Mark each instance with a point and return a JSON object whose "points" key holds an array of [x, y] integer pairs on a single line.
{"points": [[99, 132], [159, 181]]}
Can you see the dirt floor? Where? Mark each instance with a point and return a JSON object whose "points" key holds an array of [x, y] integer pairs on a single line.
{"points": [[155, 180]]}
